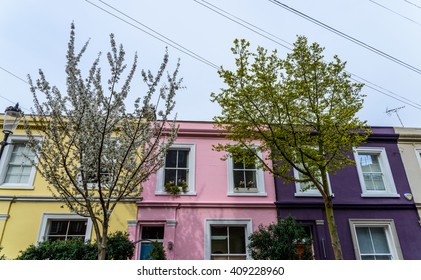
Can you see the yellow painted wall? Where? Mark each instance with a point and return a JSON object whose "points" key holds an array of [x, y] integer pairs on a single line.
{"points": [[23, 225]]}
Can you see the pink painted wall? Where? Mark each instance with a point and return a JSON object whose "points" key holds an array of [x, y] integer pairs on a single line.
{"points": [[210, 201]]}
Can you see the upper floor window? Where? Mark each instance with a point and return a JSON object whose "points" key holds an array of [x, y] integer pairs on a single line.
{"points": [[375, 240], [244, 178], [374, 172], [306, 188], [16, 170], [178, 174]]}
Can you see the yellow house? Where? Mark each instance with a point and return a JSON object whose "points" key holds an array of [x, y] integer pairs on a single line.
{"points": [[28, 211]]}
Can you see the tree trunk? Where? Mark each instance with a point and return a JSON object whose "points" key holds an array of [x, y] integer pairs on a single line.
{"points": [[102, 248], [336, 245], [102, 244]]}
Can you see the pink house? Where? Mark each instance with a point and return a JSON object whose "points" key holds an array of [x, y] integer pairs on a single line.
{"points": [[221, 204]]}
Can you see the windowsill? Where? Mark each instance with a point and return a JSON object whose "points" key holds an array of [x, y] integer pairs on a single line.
{"points": [[179, 194], [246, 194], [10, 186], [305, 194], [391, 195]]}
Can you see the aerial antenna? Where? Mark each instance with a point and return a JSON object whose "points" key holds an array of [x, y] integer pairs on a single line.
{"points": [[395, 110]]}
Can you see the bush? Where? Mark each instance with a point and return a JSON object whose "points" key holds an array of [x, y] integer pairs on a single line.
{"points": [[119, 248], [158, 252], [2, 257], [285, 240]]}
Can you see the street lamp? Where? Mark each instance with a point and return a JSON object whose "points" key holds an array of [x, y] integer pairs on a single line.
{"points": [[12, 116]]}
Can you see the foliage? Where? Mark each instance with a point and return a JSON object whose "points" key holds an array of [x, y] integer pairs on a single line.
{"points": [[94, 153], [173, 188], [72, 249], [285, 240], [2, 257], [119, 248], [301, 109], [158, 252]]}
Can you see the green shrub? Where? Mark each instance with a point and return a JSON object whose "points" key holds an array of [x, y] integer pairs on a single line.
{"points": [[285, 240], [119, 248], [2, 257], [158, 252]]}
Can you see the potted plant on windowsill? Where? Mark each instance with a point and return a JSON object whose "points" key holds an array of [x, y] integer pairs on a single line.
{"points": [[243, 184], [175, 188]]}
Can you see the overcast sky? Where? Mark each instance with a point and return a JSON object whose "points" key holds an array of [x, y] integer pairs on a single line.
{"points": [[34, 34]]}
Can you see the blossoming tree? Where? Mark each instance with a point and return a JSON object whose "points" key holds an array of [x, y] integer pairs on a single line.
{"points": [[94, 153]]}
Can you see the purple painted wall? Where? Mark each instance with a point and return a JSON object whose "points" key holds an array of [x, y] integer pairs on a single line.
{"points": [[349, 204]]}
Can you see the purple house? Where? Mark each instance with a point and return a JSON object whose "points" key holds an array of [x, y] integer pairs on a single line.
{"points": [[374, 211]]}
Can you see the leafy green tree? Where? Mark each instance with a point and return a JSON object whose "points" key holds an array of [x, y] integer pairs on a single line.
{"points": [[285, 240], [94, 154], [119, 248], [158, 252], [301, 109]]}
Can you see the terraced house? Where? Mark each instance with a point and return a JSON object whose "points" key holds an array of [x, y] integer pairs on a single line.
{"points": [[28, 211], [374, 207], [199, 206]]}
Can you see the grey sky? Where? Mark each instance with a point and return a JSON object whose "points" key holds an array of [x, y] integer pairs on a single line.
{"points": [[34, 34]]}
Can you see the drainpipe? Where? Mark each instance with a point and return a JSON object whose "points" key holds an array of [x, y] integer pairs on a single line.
{"points": [[7, 218]]}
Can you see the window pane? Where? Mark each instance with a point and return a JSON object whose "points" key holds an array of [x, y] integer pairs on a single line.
{"points": [[364, 240], [183, 156], [58, 227], [77, 228], [181, 176], [379, 240], [238, 165], [152, 232], [250, 179], [171, 158], [384, 257], [170, 175], [369, 162], [239, 180], [219, 240], [374, 182], [367, 258], [378, 182], [237, 240]]}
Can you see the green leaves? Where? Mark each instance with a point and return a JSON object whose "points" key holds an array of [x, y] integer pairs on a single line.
{"points": [[301, 108]]}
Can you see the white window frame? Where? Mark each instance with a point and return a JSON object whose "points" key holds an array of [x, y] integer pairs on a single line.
{"points": [[418, 155], [390, 230], [260, 181], [308, 192], [160, 190], [7, 153], [47, 217], [389, 183], [247, 223]]}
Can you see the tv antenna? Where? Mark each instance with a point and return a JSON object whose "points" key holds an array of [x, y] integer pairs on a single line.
{"points": [[395, 110]]}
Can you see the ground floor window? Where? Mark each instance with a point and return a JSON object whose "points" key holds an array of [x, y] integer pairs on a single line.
{"points": [[375, 240], [148, 235], [228, 243], [64, 227], [227, 239]]}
